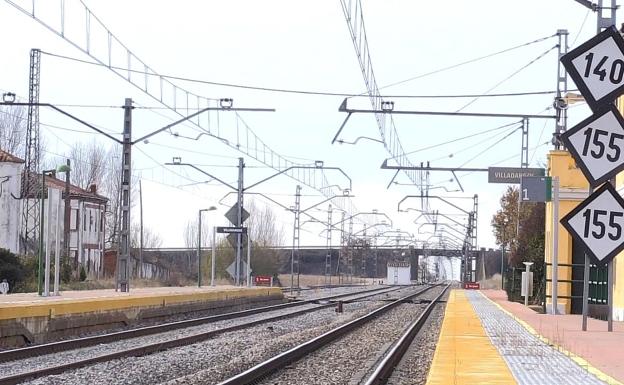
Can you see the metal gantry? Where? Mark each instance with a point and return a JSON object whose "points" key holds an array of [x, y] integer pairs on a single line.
{"points": [[294, 257], [354, 17], [127, 65], [32, 158], [329, 249]]}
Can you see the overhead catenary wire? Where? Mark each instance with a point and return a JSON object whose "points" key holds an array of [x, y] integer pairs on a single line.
{"points": [[461, 138], [508, 77], [467, 62], [294, 91], [467, 148]]}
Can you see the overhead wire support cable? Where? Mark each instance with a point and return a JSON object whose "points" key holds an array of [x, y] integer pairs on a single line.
{"points": [[466, 62], [509, 77], [164, 91], [355, 21], [275, 89]]}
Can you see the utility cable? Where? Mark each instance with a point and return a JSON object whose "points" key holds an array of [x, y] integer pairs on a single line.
{"points": [[285, 90], [489, 147], [467, 148], [461, 138], [467, 62], [508, 77]]}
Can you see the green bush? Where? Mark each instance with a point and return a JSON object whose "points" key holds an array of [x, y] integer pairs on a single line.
{"points": [[83, 274], [11, 269]]}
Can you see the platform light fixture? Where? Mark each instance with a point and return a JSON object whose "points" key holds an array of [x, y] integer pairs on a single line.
{"points": [[226, 103], [8, 97], [387, 106]]}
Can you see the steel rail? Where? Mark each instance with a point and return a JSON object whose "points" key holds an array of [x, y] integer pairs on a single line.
{"points": [[386, 366], [52, 347], [173, 343], [259, 371]]}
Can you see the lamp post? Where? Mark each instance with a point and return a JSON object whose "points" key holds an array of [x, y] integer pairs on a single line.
{"points": [[199, 237]]}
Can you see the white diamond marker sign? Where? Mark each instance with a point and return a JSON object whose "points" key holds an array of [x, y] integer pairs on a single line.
{"points": [[597, 145], [598, 223], [597, 67], [231, 269]]}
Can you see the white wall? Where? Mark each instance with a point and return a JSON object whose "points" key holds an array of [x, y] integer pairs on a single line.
{"points": [[398, 275], [10, 173]]}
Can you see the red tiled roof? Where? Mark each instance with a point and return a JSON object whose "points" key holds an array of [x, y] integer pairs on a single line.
{"points": [[73, 190], [10, 158]]}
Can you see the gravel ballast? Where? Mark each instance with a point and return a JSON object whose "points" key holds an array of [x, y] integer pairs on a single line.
{"points": [[211, 360], [351, 358]]}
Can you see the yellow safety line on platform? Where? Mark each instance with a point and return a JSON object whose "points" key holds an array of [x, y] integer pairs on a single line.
{"points": [[579, 360], [86, 305], [464, 353]]}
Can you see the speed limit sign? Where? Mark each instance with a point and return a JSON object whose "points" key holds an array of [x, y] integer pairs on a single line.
{"points": [[597, 145], [598, 223], [597, 67]]}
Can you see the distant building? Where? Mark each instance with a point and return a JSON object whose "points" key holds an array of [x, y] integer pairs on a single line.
{"points": [[399, 273], [87, 215], [10, 209]]}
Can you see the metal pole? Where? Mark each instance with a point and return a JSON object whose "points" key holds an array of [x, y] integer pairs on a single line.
{"points": [[46, 277], [248, 260], [526, 285], [610, 295], [213, 264], [328, 244], [295, 239], [199, 282], [503, 267], [555, 256], [239, 221], [126, 187], [585, 290], [41, 218], [141, 229], [67, 212], [57, 248]]}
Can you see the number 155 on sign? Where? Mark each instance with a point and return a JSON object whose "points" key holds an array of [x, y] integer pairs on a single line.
{"points": [[598, 223]]}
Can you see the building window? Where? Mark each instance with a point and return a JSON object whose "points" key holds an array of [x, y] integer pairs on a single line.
{"points": [[73, 220]]}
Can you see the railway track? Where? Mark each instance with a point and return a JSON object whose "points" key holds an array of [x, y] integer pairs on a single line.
{"points": [[309, 305], [285, 359]]}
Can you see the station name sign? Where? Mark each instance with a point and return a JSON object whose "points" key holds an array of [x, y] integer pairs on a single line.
{"points": [[232, 230], [511, 174]]}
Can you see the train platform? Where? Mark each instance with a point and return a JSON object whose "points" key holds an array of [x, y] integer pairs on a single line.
{"points": [[27, 318], [486, 339]]}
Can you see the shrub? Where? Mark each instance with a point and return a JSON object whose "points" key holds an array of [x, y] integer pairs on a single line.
{"points": [[11, 269], [83, 274]]}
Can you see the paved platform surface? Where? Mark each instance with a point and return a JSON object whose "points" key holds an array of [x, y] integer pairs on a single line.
{"points": [[32, 305], [464, 353], [601, 349], [483, 343]]}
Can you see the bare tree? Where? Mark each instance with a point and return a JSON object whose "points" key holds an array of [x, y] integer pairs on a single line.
{"points": [[13, 123], [265, 234], [262, 226], [151, 239], [190, 235], [88, 164]]}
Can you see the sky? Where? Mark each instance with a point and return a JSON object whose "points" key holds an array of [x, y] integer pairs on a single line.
{"points": [[301, 45]]}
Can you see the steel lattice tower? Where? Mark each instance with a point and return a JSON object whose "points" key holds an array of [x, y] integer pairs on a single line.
{"points": [[32, 158]]}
